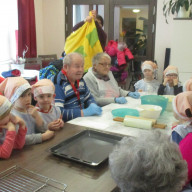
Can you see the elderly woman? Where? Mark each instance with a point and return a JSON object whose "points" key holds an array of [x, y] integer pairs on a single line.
{"points": [[148, 164], [102, 83]]}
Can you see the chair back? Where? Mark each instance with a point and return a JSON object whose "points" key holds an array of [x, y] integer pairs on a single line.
{"points": [[33, 63], [46, 59]]}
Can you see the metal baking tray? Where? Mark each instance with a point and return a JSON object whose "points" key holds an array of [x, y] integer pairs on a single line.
{"points": [[20, 179], [88, 147]]}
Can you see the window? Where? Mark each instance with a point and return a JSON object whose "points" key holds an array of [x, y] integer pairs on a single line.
{"points": [[9, 27]]}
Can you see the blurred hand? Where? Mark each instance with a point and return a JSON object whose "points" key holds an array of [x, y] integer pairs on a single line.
{"points": [[47, 135], [17, 120], [134, 95], [93, 109], [9, 126], [175, 81], [32, 111], [56, 125], [120, 100], [165, 81]]}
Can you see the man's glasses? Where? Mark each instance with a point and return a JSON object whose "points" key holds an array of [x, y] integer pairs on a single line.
{"points": [[105, 64]]}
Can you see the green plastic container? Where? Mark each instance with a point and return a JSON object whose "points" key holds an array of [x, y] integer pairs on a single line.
{"points": [[122, 112], [155, 100]]}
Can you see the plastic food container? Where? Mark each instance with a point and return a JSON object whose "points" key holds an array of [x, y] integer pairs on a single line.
{"points": [[149, 111], [169, 104], [155, 100], [122, 112]]}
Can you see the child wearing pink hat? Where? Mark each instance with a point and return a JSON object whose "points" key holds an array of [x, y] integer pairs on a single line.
{"points": [[171, 84], [18, 91], [44, 94], [182, 107], [148, 83], [12, 130]]}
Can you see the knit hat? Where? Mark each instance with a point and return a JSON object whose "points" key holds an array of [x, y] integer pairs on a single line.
{"points": [[148, 65], [182, 105], [187, 86], [5, 105], [13, 87], [170, 69], [42, 87]]}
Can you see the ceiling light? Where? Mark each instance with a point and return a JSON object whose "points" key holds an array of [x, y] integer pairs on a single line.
{"points": [[136, 10]]}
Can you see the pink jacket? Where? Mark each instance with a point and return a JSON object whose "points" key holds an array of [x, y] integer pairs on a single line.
{"points": [[186, 150]]}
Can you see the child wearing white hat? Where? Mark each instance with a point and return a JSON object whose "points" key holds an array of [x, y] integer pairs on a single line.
{"points": [[44, 94], [18, 91], [148, 83], [171, 84], [12, 130]]}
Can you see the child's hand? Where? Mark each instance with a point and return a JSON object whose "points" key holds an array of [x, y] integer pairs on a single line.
{"points": [[32, 111], [56, 125], [165, 81], [47, 135], [175, 81], [140, 90], [9, 126], [17, 120]]}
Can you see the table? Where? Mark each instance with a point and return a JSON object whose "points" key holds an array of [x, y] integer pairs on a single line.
{"points": [[106, 124], [78, 177]]}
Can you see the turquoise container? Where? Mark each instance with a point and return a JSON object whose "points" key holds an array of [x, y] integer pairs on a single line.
{"points": [[122, 112], [155, 100]]}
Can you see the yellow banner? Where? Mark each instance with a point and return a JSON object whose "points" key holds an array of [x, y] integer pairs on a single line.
{"points": [[84, 41]]}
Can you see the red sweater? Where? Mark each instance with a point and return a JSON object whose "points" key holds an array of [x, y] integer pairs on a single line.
{"points": [[12, 141]]}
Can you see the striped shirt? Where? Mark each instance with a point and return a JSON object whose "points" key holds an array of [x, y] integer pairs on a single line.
{"points": [[66, 98]]}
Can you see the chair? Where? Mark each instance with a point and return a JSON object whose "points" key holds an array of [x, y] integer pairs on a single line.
{"points": [[33, 63], [46, 59], [136, 73]]}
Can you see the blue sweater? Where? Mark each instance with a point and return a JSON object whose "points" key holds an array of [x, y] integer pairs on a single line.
{"points": [[66, 98]]}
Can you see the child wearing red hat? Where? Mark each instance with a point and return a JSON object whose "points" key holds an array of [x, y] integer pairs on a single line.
{"points": [[18, 91], [12, 130], [44, 94]]}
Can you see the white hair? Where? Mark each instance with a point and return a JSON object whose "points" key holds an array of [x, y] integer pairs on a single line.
{"points": [[68, 59], [97, 58], [149, 163]]}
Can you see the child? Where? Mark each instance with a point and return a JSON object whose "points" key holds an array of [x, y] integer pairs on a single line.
{"points": [[187, 86], [18, 91], [182, 107], [10, 137], [148, 83], [44, 94], [171, 84]]}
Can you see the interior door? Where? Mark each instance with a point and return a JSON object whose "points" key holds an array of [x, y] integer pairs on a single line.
{"points": [[137, 29], [77, 10]]}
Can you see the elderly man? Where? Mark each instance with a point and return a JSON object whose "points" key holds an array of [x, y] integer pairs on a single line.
{"points": [[149, 163], [72, 94], [103, 85]]}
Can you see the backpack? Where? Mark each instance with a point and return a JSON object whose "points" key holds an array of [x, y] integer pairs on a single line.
{"points": [[52, 69], [48, 72]]}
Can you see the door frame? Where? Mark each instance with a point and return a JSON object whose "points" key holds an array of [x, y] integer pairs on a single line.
{"points": [[109, 6]]}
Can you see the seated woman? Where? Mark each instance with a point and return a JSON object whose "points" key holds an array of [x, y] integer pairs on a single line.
{"points": [[171, 84], [149, 163], [103, 85]]}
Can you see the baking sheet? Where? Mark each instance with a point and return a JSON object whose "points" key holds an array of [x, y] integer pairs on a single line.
{"points": [[88, 147]]}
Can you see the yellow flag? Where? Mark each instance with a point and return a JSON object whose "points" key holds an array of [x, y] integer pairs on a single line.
{"points": [[85, 41]]}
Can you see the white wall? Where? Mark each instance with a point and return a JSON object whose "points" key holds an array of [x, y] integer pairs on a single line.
{"points": [[50, 26], [163, 37]]}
